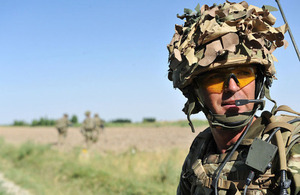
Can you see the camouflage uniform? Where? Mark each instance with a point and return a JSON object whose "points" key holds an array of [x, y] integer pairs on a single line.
{"points": [[228, 36], [62, 128], [98, 127], [87, 129], [203, 160]]}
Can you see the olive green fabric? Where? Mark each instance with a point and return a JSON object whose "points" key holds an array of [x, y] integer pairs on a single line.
{"points": [[230, 122]]}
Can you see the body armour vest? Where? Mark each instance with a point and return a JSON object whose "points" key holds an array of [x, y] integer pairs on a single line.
{"points": [[203, 160]]}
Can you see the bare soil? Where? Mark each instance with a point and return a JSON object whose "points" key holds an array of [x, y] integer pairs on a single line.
{"points": [[115, 139]]}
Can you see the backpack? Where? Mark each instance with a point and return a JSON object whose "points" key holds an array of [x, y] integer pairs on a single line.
{"points": [[88, 124]]}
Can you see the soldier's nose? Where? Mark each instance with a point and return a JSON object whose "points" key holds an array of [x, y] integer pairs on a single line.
{"points": [[232, 85]]}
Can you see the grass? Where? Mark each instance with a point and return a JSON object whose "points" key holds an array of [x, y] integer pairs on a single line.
{"points": [[43, 170]]}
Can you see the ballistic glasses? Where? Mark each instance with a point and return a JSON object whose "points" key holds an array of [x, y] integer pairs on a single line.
{"points": [[217, 80]]}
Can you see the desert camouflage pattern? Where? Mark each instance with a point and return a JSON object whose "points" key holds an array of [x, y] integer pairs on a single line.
{"points": [[203, 160], [98, 123], [91, 128], [62, 125], [98, 127], [294, 166], [87, 129], [223, 35]]}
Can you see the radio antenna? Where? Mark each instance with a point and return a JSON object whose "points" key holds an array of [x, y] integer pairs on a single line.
{"points": [[289, 29]]}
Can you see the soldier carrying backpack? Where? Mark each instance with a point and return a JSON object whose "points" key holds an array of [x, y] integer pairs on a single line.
{"points": [[87, 129], [62, 125], [221, 59]]}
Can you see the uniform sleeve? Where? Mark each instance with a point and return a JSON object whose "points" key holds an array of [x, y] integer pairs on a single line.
{"points": [[184, 185], [196, 149], [294, 169]]}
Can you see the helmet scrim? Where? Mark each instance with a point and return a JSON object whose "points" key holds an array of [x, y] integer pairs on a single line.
{"points": [[223, 35]]}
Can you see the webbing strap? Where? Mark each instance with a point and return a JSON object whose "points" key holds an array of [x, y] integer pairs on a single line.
{"points": [[240, 184], [218, 158], [281, 150], [284, 125], [268, 96], [190, 109], [286, 109]]}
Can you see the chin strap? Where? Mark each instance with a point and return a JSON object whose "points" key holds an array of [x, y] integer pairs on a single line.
{"points": [[233, 122]]}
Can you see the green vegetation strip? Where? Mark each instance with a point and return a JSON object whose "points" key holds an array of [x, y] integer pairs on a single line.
{"points": [[43, 170], [179, 123], [118, 123]]}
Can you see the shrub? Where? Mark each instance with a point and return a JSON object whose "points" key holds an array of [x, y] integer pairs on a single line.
{"points": [[43, 122], [149, 120], [19, 123], [74, 119], [121, 121]]}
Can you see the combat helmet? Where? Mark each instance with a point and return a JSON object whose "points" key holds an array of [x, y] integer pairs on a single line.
{"points": [[229, 34], [87, 113]]}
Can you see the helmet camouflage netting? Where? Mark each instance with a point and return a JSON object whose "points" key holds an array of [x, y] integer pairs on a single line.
{"points": [[223, 35]]}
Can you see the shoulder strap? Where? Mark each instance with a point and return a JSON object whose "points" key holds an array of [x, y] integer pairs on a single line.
{"points": [[295, 133], [286, 109], [286, 134]]}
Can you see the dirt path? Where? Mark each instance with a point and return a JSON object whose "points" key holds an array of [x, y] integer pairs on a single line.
{"points": [[117, 139]]}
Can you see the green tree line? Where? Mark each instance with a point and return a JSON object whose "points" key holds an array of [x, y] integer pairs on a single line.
{"points": [[44, 121]]}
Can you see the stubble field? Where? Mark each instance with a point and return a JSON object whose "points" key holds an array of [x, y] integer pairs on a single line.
{"points": [[116, 139]]}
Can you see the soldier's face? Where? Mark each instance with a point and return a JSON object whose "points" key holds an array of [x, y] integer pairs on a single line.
{"points": [[222, 102]]}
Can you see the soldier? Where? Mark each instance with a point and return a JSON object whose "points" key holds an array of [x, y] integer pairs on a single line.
{"points": [[62, 128], [87, 128], [98, 127], [221, 59]]}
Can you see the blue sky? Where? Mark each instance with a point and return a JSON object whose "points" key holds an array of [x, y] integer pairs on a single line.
{"points": [[108, 57]]}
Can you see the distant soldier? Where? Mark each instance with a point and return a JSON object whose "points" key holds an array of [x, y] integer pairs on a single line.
{"points": [[62, 125], [87, 128], [98, 127]]}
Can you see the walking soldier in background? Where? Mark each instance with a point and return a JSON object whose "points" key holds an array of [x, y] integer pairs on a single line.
{"points": [[221, 59], [62, 127], [99, 126], [87, 128]]}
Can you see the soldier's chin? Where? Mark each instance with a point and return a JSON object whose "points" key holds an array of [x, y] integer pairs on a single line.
{"points": [[234, 110]]}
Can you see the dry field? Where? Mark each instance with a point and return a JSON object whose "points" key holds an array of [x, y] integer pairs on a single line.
{"points": [[116, 139]]}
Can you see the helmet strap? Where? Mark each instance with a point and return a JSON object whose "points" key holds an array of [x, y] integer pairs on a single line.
{"points": [[266, 86], [190, 109], [227, 122], [231, 122]]}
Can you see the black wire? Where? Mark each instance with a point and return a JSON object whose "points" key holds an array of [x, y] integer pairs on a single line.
{"points": [[278, 128], [215, 183], [283, 191], [249, 179], [220, 168], [245, 190]]}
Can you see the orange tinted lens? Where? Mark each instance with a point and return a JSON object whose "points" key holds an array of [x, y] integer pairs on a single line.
{"points": [[245, 75], [214, 81]]}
